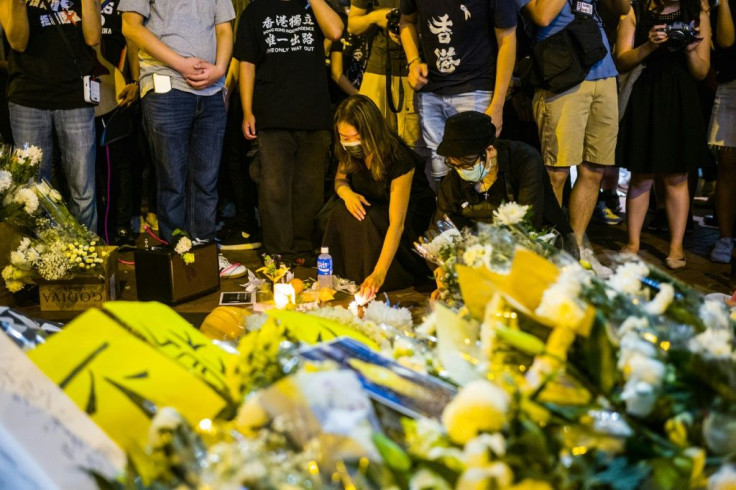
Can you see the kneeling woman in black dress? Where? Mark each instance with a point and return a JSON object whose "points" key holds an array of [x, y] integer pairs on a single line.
{"points": [[385, 202]]}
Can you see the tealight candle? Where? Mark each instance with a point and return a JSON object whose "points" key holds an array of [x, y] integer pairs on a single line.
{"points": [[283, 295]]}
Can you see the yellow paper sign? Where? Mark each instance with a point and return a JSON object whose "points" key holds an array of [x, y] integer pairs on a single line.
{"points": [[166, 331], [313, 329], [120, 381], [523, 287]]}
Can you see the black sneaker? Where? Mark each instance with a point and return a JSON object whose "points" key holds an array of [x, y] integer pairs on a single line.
{"points": [[240, 240]]}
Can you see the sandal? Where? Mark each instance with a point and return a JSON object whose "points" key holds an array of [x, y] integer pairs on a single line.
{"points": [[675, 264]]}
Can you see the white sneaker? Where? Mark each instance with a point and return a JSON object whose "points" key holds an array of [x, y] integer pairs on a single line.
{"points": [[587, 255], [722, 251], [229, 270]]}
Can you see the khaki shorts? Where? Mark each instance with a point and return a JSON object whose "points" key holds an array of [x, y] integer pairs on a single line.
{"points": [[579, 125]]}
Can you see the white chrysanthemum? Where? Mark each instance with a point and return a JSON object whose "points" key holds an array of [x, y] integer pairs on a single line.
{"points": [[31, 155], [659, 304], [510, 213], [713, 344], [480, 406], [640, 397], [478, 255], [27, 198], [714, 314], [562, 310], [6, 180], [428, 325], [627, 279], [381, 313], [446, 238], [632, 324], [183, 245], [495, 475], [476, 452], [723, 479], [425, 479], [643, 368], [632, 343]]}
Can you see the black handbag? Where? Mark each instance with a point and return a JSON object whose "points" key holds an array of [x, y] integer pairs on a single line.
{"points": [[563, 60]]}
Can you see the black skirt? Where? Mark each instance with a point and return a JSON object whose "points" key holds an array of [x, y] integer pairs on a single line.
{"points": [[356, 245], [663, 129]]}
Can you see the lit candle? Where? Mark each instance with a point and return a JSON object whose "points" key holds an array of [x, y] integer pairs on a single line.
{"points": [[283, 295]]}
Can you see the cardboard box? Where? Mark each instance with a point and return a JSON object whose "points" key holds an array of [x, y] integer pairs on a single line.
{"points": [[162, 275], [82, 292]]}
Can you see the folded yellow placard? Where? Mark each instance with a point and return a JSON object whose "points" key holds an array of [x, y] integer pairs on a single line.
{"points": [[523, 287], [313, 329], [120, 381], [169, 333]]}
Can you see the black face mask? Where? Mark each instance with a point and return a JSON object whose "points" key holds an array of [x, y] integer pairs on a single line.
{"points": [[355, 150]]}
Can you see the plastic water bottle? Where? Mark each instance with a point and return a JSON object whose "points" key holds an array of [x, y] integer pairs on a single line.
{"points": [[324, 268]]}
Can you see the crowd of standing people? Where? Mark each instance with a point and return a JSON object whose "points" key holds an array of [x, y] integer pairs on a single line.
{"points": [[456, 107]]}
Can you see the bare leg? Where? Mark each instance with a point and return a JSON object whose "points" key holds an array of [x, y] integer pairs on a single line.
{"points": [[726, 191], [677, 203], [637, 204], [584, 197], [558, 177]]}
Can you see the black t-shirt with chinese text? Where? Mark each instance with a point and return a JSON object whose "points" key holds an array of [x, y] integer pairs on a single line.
{"points": [[45, 76], [458, 41], [282, 39]]}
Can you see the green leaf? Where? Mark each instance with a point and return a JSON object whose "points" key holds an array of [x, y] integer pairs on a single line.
{"points": [[620, 475]]}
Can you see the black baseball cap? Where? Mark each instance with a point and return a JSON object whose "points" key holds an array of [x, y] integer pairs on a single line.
{"points": [[467, 133]]}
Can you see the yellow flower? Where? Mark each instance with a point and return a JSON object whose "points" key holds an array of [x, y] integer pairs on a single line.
{"points": [[188, 258]]}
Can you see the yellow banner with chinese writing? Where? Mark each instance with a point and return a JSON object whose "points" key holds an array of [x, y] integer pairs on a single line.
{"points": [[120, 381]]}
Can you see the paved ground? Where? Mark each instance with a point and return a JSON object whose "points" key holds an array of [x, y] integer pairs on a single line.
{"points": [[700, 272]]}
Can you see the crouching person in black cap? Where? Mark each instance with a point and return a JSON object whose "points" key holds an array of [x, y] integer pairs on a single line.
{"points": [[489, 172]]}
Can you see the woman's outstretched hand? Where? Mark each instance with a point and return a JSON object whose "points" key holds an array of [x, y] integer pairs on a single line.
{"points": [[371, 285]]}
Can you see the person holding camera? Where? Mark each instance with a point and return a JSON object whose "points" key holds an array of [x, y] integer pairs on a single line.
{"points": [[468, 51], [662, 130], [51, 91], [385, 78]]}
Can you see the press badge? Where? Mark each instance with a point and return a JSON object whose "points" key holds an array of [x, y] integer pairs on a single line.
{"points": [[161, 83], [583, 7]]}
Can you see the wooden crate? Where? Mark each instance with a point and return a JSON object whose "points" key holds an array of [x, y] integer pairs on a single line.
{"points": [[82, 291]]}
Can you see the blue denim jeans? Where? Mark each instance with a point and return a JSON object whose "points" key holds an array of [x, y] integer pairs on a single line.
{"points": [[75, 131], [434, 110], [185, 132]]}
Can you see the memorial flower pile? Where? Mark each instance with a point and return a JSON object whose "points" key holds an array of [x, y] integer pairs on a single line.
{"points": [[50, 244], [531, 373]]}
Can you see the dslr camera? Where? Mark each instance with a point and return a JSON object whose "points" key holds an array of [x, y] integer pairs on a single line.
{"points": [[680, 35], [393, 18]]}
